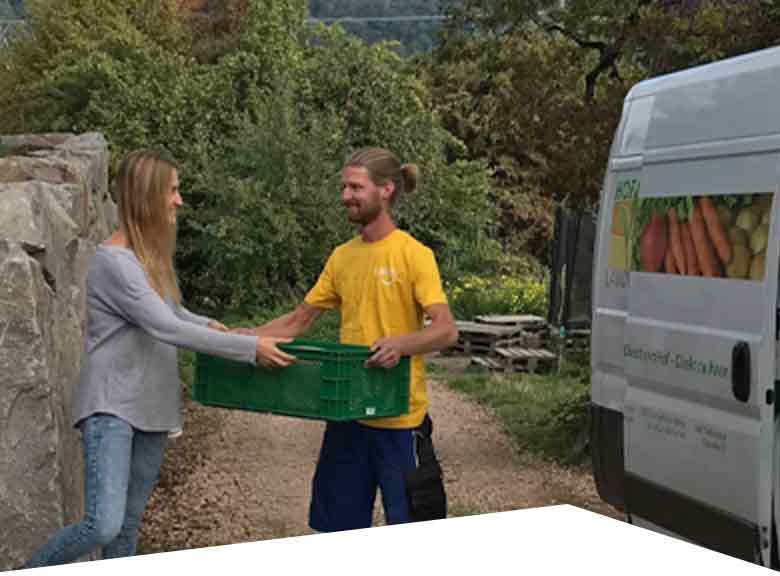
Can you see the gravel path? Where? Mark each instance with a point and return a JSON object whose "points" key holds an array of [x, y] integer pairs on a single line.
{"points": [[239, 477]]}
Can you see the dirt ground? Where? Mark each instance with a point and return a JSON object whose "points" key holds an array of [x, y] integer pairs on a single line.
{"points": [[239, 477]]}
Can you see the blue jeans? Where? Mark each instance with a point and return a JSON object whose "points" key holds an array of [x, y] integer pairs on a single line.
{"points": [[122, 465]]}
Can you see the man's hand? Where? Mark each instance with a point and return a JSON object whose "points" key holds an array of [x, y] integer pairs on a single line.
{"points": [[386, 353], [214, 325]]}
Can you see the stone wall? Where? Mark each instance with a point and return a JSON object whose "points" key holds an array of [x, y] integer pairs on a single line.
{"points": [[55, 208]]}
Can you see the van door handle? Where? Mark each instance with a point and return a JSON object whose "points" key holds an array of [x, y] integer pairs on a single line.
{"points": [[740, 371]]}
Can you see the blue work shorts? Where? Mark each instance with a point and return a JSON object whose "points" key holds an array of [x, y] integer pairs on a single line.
{"points": [[354, 460]]}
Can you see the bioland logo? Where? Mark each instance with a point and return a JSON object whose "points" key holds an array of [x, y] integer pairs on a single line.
{"points": [[387, 275]]}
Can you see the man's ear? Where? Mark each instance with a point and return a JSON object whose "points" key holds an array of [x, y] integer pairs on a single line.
{"points": [[387, 190]]}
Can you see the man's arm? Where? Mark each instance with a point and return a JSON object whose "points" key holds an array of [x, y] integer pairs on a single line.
{"points": [[292, 324], [440, 334]]}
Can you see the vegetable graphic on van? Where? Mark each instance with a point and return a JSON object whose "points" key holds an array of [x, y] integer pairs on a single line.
{"points": [[709, 236]]}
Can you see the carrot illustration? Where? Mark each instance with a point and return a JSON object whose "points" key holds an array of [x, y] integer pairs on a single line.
{"points": [[701, 242], [691, 262], [715, 230], [675, 242], [669, 264]]}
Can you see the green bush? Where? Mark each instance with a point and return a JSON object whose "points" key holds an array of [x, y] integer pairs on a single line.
{"points": [[326, 328], [473, 295]]}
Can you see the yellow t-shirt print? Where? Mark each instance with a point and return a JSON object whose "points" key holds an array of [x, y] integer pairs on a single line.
{"points": [[381, 289]]}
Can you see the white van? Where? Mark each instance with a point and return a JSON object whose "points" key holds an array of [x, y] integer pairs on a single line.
{"points": [[685, 308]]}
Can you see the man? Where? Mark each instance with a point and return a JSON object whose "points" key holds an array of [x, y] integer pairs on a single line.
{"points": [[383, 282]]}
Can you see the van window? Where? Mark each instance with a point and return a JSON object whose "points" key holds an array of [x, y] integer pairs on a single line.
{"points": [[635, 132], [727, 108]]}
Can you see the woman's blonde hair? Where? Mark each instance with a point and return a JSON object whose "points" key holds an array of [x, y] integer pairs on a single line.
{"points": [[383, 167], [143, 181]]}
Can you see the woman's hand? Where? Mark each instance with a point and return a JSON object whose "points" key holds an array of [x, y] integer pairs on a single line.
{"points": [[244, 331], [214, 325], [269, 355]]}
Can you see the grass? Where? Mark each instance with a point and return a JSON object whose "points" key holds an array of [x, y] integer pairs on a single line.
{"points": [[543, 414]]}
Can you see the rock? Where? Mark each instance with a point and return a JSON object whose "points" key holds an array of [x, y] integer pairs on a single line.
{"points": [[34, 214], [31, 489], [55, 208], [79, 160], [34, 141]]}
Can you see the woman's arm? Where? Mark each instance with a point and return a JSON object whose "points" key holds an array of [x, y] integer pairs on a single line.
{"points": [[128, 289], [188, 316]]}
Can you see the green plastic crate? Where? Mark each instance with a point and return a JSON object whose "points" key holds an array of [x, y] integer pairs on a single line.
{"points": [[328, 382]]}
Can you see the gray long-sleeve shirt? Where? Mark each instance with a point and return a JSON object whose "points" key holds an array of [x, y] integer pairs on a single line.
{"points": [[129, 366]]}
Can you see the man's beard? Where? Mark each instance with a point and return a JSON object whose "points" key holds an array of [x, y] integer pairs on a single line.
{"points": [[364, 215]]}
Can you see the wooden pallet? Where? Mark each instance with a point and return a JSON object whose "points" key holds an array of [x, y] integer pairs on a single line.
{"points": [[471, 346], [518, 360], [488, 330], [475, 338], [484, 338], [528, 322]]}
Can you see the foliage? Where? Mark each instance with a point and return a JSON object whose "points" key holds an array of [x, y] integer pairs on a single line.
{"points": [[473, 295], [48, 72], [535, 88], [268, 210], [660, 35], [260, 126], [514, 102], [544, 414]]}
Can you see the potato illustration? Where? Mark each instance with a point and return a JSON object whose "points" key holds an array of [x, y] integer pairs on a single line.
{"points": [[740, 262], [757, 266], [747, 219], [737, 236], [758, 238]]}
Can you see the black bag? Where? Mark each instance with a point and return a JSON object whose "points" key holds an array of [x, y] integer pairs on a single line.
{"points": [[425, 485]]}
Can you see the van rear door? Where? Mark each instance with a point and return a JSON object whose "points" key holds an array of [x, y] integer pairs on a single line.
{"points": [[699, 348]]}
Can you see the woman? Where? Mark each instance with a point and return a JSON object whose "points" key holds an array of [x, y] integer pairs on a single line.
{"points": [[127, 399]]}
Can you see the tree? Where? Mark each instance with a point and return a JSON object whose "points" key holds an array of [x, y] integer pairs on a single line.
{"points": [[260, 128], [535, 88], [660, 35]]}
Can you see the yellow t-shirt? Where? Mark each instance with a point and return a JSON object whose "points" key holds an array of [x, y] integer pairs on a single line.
{"points": [[381, 289]]}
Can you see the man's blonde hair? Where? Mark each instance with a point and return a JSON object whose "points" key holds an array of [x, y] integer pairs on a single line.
{"points": [[143, 180], [383, 167]]}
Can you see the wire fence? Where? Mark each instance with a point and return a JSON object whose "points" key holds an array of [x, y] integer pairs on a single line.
{"points": [[9, 27], [428, 18]]}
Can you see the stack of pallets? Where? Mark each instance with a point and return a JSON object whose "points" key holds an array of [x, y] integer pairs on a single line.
{"points": [[507, 343]]}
